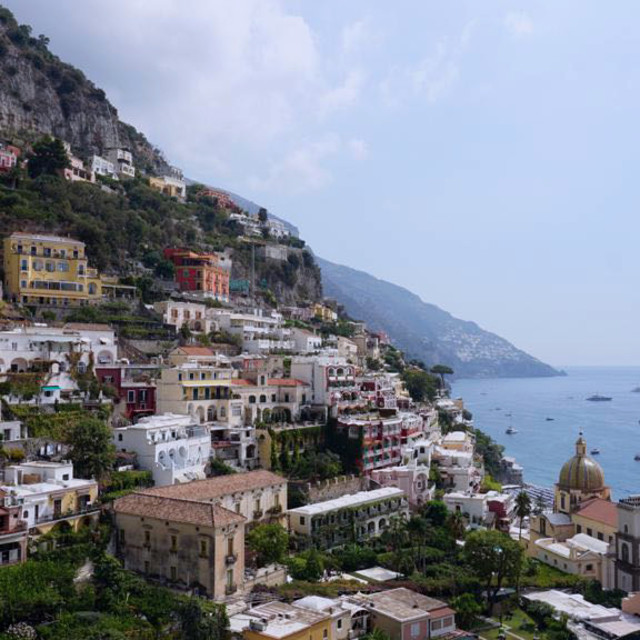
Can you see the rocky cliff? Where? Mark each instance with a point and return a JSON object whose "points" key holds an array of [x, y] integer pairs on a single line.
{"points": [[40, 94], [425, 331]]}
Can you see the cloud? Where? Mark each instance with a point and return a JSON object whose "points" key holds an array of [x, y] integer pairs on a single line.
{"points": [[356, 36], [218, 85], [433, 77], [519, 25], [343, 95], [301, 169], [358, 148]]}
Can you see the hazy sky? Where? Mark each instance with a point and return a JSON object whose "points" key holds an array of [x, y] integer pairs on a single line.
{"points": [[483, 154]]}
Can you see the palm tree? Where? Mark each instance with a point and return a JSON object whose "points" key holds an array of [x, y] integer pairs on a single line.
{"points": [[456, 524], [523, 508]]}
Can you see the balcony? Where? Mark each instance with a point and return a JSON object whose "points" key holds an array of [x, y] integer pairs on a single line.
{"points": [[275, 510], [257, 514], [230, 588], [231, 558], [56, 517]]}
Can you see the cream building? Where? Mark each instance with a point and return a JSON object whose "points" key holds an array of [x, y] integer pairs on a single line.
{"points": [[189, 542]]}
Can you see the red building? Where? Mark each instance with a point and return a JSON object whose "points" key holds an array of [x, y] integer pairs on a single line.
{"points": [[204, 272], [136, 394]]}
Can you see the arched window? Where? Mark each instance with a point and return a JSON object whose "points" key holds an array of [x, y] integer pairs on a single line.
{"points": [[625, 552], [626, 528], [252, 399], [263, 398]]}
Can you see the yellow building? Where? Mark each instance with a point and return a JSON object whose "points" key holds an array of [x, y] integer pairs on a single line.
{"points": [[41, 269], [279, 621], [50, 270]]}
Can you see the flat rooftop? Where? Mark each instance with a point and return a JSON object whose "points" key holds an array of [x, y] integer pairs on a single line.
{"points": [[352, 500]]}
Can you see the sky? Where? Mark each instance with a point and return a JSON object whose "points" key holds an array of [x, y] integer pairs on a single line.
{"points": [[483, 154]]}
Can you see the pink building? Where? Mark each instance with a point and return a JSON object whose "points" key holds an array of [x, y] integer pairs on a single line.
{"points": [[406, 615]]}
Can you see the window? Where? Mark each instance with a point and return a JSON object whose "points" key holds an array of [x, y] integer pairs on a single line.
{"points": [[589, 567], [50, 266], [230, 546], [600, 535], [273, 397], [37, 265], [46, 252], [302, 520], [415, 630], [33, 250], [590, 532], [339, 625], [436, 624], [80, 269], [174, 543], [578, 528], [325, 634], [131, 396], [263, 398], [252, 399], [24, 265], [65, 476], [256, 505], [203, 548], [562, 501], [174, 573], [191, 376], [147, 537], [63, 266], [121, 536], [237, 507], [119, 437]]}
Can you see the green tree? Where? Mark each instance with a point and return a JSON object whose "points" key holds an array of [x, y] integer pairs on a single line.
{"points": [[467, 608], [203, 621], [442, 370], [436, 512], [456, 525], [48, 158], [420, 385], [523, 509], [376, 634], [92, 450], [494, 557], [270, 542]]}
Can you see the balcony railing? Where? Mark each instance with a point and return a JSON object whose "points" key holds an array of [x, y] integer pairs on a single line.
{"points": [[257, 514], [231, 558], [53, 517]]}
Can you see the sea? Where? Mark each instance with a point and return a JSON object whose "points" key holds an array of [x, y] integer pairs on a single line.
{"points": [[542, 446]]}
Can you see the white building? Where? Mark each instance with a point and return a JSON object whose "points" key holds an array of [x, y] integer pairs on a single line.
{"points": [[172, 447], [43, 490], [192, 314], [261, 331], [23, 347], [103, 167], [332, 379], [122, 160], [473, 506], [305, 341], [12, 430], [364, 514]]}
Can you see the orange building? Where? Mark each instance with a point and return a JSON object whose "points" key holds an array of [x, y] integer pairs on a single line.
{"points": [[207, 273]]}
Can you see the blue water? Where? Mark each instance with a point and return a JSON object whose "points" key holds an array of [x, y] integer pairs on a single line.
{"points": [[542, 447]]}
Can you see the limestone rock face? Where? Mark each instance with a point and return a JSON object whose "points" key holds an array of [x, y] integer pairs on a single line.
{"points": [[40, 94]]}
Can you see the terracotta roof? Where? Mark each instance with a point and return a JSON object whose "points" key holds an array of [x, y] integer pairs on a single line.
{"points": [[176, 509], [197, 351], [87, 326], [441, 613], [217, 487], [285, 382], [241, 382], [600, 510]]}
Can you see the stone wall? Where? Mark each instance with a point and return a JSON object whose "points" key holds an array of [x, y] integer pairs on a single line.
{"points": [[331, 488]]}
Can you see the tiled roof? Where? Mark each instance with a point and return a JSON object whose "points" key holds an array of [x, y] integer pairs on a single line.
{"points": [[600, 510], [241, 382], [176, 510], [405, 604], [219, 486], [285, 382]]}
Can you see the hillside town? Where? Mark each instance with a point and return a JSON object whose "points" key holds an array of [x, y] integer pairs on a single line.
{"points": [[247, 423], [197, 442]]}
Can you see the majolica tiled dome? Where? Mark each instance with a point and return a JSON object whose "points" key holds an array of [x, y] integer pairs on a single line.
{"points": [[581, 472]]}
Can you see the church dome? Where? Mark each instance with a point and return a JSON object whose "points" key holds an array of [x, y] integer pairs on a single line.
{"points": [[581, 472]]}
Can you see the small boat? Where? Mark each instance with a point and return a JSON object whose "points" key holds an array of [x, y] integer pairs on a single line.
{"points": [[595, 451], [635, 390], [510, 431], [498, 408], [549, 419], [637, 457], [596, 397], [507, 415]]}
